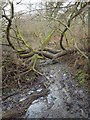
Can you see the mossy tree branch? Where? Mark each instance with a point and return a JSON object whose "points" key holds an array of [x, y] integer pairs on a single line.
{"points": [[73, 15]]}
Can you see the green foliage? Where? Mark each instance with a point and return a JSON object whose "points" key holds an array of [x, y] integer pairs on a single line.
{"points": [[81, 77]]}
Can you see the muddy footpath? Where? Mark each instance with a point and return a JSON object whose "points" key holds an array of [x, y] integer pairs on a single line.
{"points": [[64, 98]]}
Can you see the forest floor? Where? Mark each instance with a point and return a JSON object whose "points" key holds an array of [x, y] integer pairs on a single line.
{"points": [[66, 98]]}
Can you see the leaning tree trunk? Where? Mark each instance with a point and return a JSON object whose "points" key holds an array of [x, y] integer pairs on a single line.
{"points": [[88, 52], [88, 42]]}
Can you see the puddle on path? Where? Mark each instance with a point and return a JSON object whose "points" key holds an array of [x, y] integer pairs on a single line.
{"points": [[64, 100]]}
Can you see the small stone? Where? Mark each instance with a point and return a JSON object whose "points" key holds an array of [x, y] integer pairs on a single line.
{"points": [[47, 77], [22, 99], [64, 76], [51, 76], [69, 100], [30, 92], [39, 90]]}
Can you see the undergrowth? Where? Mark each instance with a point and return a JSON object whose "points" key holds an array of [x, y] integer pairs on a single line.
{"points": [[81, 77]]}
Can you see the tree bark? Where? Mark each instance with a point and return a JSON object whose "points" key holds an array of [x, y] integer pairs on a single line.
{"points": [[88, 41]]}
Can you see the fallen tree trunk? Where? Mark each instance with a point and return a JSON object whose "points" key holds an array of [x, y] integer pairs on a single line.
{"points": [[47, 54], [17, 112]]}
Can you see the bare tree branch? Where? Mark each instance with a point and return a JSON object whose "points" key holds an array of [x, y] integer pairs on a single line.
{"points": [[9, 24], [74, 14]]}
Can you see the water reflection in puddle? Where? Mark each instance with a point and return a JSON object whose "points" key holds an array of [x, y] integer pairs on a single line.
{"points": [[41, 106], [59, 103]]}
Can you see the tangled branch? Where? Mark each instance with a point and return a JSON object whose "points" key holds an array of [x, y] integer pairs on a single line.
{"points": [[9, 24], [74, 14]]}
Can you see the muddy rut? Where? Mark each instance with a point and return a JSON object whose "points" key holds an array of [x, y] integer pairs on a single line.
{"points": [[63, 100]]}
